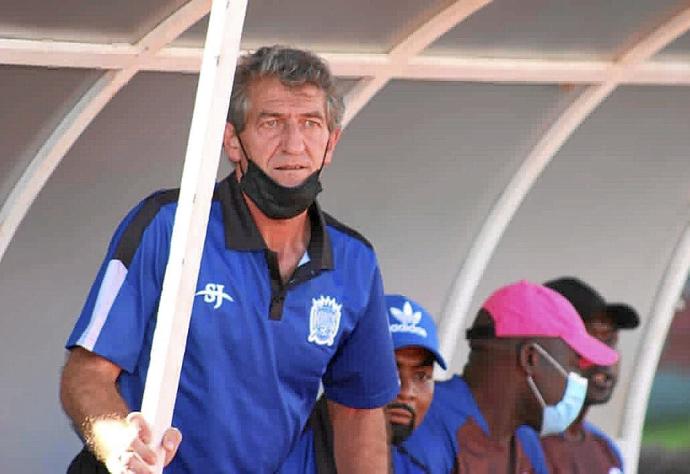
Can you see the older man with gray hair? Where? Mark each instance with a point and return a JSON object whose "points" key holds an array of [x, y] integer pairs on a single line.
{"points": [[287, 298]]}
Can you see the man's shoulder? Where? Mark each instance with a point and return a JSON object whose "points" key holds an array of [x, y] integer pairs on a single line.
{"points": [[131, 230], [599, 435], [450, 408], [345, 230], [151, 205], [453, 394], [159, 207], [596, 431]]}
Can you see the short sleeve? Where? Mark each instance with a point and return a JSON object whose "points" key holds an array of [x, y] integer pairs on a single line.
{"points": [[124, 297], [363, 374]]}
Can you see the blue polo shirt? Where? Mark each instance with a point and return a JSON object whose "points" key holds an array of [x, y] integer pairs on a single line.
{"points": [[435, 441], [257, 349]]}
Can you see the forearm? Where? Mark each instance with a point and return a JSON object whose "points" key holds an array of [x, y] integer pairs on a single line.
{"points": [[91, 400], [360, 440]]}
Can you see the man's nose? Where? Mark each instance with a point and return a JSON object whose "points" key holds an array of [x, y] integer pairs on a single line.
{"points": [[407, 391], [293, 138]]}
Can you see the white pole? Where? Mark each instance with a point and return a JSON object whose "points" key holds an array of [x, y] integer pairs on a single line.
{"points": [[651, 347], [191, 219]]}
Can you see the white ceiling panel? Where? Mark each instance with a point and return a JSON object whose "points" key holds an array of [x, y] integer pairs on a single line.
{"points": [[358, 26], [121, 21], [555, 28]]}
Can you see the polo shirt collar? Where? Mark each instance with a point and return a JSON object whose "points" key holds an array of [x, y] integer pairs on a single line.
{"points": [[242, 234]]}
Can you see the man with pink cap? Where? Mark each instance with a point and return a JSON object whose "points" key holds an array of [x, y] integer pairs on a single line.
{"points": [[526, 344]]}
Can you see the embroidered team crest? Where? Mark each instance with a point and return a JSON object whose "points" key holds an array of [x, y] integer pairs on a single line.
{"points": [[324, 320]]}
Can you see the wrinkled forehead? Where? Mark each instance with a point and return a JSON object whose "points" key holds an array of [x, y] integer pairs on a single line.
{"points": [[271, 91]]}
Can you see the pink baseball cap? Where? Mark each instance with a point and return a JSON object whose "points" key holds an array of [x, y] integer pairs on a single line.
{"points": [[526, 309]]}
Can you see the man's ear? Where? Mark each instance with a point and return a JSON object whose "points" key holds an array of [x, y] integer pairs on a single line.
{"points": [[333, 139], [231, 143], [528, 358]]}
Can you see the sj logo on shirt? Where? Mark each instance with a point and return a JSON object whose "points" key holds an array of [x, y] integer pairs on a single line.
{"points": [[213, 293]]}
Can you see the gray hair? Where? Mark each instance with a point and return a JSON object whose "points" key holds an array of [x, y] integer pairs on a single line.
{"points": [[294, 68]]}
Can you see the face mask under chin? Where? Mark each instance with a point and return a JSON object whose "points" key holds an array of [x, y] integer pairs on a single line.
{"points": [[556, 418], [275, 200]]}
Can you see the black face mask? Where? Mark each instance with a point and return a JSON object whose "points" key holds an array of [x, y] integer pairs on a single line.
{"points": [[399, 433], [275, 200]]}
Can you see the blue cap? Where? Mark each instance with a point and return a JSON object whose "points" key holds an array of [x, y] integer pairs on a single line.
{"points": [[412, 325]]}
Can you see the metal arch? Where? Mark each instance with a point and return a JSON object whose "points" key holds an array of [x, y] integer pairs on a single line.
{"points": [[53, 150], [655, 332], [467, 279], [21, 52], [407, 49]]}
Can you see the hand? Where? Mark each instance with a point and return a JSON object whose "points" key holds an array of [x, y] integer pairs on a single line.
{"points": [[130, 452]]}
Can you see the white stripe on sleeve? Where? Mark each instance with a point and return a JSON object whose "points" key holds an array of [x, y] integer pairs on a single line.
{"points": [[113, 279]]}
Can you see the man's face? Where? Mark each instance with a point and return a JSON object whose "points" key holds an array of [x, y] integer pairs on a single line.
{"points": [[415, 368], [602, 380], [286, 132]]}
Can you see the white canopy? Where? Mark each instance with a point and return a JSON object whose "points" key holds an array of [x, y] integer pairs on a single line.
{"points": [[486, 142]]}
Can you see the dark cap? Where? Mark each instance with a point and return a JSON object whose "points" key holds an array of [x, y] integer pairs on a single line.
{"points": [[589, 303]]}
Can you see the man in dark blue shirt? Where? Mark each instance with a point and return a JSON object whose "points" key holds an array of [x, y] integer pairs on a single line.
{"points": [[287, 298], [416, 349]]}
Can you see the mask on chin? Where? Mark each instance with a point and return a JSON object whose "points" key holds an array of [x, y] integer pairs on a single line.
{"points": [[556, 418], [275, 200], [399, 433]]}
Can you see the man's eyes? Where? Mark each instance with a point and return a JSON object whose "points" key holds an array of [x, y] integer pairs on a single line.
{"points": [[271, 123], [276, 123], [309, 123], [422, 376]]}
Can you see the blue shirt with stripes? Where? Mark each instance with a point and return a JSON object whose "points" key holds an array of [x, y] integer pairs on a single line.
{"points": [[257, 347]]}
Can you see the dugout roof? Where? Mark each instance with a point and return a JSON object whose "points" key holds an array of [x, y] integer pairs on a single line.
{"points": [[486, 141]]}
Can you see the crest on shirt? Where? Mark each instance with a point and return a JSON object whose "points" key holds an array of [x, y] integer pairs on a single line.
{"points": [[407, 320], [324, 320]]}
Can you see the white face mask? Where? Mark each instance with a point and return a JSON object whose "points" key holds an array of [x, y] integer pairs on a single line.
{"points": [[556, 418]]}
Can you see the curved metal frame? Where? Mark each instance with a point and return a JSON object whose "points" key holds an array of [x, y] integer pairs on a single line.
{"points": [[465, 284], [187, 60], [648, 355], [87, 108], [124, 61], [400, 55]]}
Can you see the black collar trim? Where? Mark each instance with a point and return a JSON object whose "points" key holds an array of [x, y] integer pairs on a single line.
{"points": [[242, 234]]}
